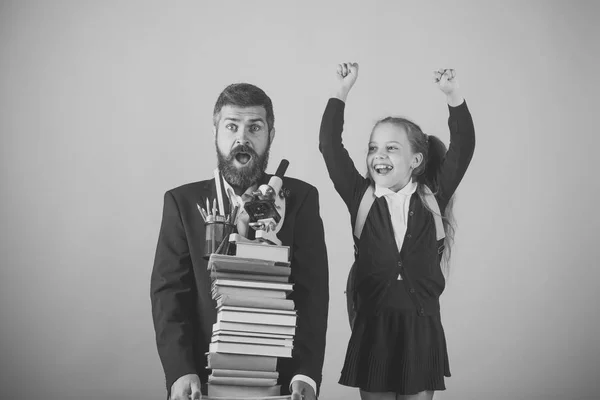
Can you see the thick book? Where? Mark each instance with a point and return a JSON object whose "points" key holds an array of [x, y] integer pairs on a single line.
{"points": [[255, 317], [245, 373], [262, 251], [250, 292], [252, 340], [255, 328], [242, 391], [253, 334], [243, 362], [235, 264], [287, 287], [250, 349], [241, 381], [255, 302], [256, 310], [248, 277], [286, 397]]}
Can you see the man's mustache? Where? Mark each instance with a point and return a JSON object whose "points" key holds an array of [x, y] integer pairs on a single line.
{"points": [[242, 148]]}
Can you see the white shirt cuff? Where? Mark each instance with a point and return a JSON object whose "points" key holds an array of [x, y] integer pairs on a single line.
{"points": [[305, 379]]}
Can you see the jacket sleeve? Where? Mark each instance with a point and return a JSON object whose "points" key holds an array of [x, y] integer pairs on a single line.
{"points": [[310, 275], [172, 296], [460, 151], [348, 182]]}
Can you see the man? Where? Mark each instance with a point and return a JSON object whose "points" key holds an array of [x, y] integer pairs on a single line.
{"points": [[182, 307]]}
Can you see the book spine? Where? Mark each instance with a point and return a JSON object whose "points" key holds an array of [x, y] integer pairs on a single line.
{"points": [[257, 318], [241, 362], [245, 373], [241, 381], [288, 287], [255, 302], [251, 349], [248, 277]]}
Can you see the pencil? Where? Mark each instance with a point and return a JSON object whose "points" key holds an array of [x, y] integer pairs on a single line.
{"points": [[217, 175], [201, 212], [233, 215]]}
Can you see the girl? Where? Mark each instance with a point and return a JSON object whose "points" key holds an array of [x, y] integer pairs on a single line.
{"points": [[398, 349]]}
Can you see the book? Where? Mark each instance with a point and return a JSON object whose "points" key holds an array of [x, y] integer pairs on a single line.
{"points": [[255, 302], [242, 391], [287, 287], [255, 317], [250, 349], [224, 361], [252, 340], [286, 397], [262, 251], [228, 263], [256, 310], [250, 292], [248, 277], [252, 334], [245, 373], [256, 328], [241, 381]]}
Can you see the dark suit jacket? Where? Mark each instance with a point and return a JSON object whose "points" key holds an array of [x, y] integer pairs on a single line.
{"points": [[182, 306]]}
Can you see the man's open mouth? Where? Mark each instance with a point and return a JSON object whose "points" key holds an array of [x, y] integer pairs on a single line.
{"points": [[243, 158]]}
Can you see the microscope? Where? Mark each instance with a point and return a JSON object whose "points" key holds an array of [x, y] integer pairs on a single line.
{"points": [[266, 210]]}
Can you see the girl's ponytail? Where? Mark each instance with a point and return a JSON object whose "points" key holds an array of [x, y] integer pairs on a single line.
{"points": [[436, 151], [433, 160]]}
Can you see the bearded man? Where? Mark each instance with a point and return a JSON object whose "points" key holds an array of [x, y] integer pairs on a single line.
{"points": [[182, 307]]}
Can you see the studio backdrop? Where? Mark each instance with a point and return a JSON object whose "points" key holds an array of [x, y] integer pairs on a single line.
{"points": [[105, 105]]}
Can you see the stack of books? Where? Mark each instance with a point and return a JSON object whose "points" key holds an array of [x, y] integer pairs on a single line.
{"points": [[255, 323]]}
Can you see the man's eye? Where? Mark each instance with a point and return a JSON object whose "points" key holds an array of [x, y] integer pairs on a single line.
{"points": [[255, 128], [231, 127]]}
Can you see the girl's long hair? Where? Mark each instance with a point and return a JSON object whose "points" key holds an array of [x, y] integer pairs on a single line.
{"points": [[434, 152]]}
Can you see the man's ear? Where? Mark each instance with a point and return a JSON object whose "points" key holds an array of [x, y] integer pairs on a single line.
{"points": [[272, 135]]}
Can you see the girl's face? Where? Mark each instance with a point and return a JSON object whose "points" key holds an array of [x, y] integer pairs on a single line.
{"points": [[390, 160]]}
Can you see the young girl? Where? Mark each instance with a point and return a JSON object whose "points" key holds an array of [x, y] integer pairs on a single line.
{"points": [[398, 349]]}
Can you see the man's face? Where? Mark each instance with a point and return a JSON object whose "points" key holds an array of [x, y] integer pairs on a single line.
{"points": [[243, 141]]}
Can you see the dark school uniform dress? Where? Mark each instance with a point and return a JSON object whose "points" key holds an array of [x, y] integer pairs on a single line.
{"points": [[397, 342]]}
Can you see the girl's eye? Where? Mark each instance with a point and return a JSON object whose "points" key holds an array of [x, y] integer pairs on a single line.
{"points": [[372, 148], [390, 148]]}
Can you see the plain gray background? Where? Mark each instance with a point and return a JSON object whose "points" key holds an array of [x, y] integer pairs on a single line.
{"points": [[104, 105]]}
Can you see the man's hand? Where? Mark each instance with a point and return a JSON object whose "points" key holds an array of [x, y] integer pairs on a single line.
{"points": [[346, 77], [447, 82], [185, 388], [302, 391]]}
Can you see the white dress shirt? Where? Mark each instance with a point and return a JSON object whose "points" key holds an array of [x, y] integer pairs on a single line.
{"points": [[243, 220], [399, 204]]}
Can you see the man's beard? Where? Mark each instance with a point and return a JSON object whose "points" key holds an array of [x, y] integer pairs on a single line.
{"points": [[247, 175]]}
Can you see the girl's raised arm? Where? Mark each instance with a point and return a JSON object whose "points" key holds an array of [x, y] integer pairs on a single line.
{"points": [[348, 182], [462, 136]]}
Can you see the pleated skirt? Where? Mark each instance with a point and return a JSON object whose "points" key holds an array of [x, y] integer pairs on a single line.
{"points": [[396, 350]]}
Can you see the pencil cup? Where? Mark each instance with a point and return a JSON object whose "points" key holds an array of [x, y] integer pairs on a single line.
{"points": [[217, 236]]}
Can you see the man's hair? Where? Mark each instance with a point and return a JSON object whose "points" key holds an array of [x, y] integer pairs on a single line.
{"points": [[244, 95]]}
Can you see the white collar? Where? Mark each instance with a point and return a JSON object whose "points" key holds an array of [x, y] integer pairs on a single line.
{"points": [[407, 190]]}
